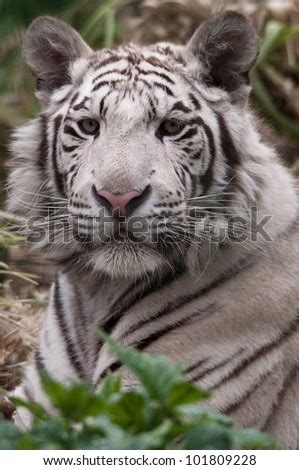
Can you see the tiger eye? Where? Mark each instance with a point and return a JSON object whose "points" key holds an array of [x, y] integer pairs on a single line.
{"points": [[170, 127], [89, 126]]}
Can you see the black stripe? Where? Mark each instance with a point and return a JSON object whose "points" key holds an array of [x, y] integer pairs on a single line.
{"points": [[103, 74], [44, 145], [182, 176], [58, 176], [227, 144], [279, 399], [152, 106], [146, 342], [112, 368], [208, 370], [119, 307], [106, 83], [158, 74], [67, 148], [246, 362], [73, 176], [81, 320], [194, 184], [156, 63], [188, 134], [206, 179], [74, 99], [249, 392], [28, 394], [81, 105], [70, 347], [197, 364], [71, 169], [153, 288], [230, 154], [196, 156], [164, 88], [145, 82], [181, 302], [179, 106], [39, 362], [71, 131], [194, 101], [110, 60], [101, 108]]}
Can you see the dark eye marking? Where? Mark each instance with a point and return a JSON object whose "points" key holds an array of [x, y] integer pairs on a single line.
{"points": [[71, 131], [179, 106], [72, 168], [188, 134], [69, 148]]}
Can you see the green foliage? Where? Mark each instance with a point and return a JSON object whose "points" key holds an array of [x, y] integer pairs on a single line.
{"points": [[16, 14], [270, 74], [163, 412]]}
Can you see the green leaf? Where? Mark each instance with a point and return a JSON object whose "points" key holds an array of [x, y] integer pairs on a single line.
{"points": [[159, 414], [156, 373], [110, 386], [252, 439], [127, 410], [75, 401], [267, 103], [35, 408], [9, 435], [276, 34], [209, 436], [51, 434], [19, 13], [200, 414], [185, 393]]}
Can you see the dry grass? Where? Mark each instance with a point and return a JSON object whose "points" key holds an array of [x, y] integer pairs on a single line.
{"points": [[19, 325]]}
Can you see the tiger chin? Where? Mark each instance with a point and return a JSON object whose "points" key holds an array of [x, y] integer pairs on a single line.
{"points": [[172, 223]]}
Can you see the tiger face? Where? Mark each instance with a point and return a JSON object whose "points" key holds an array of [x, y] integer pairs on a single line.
{"points": [[131, 141]]}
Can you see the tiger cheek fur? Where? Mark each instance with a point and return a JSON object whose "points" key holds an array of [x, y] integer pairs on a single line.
{"points": [[162, 136]]}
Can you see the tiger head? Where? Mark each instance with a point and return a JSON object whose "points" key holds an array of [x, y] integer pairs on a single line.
{"points": [[135, 146]]}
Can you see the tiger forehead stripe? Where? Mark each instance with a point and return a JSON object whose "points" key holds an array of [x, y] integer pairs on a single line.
{"points": [[179, 106], [108, 72], [81, 104]]}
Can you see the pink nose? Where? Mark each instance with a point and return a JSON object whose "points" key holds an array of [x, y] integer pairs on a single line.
{"points": [[118, 202]]}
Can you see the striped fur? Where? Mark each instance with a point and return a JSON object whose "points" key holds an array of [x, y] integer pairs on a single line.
{"points": [[224, 308]]}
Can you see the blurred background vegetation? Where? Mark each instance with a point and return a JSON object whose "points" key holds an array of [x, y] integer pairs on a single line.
{"points": [[103, 23]]}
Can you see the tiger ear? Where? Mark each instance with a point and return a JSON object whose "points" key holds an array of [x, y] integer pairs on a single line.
{"points": [[50, 46], [227, 46]]}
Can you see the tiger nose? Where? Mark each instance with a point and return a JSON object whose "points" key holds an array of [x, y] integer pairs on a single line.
{"points": [[121, 204]]}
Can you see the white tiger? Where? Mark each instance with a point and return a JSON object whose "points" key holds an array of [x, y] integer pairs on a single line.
{"points": [[172, 223]]}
